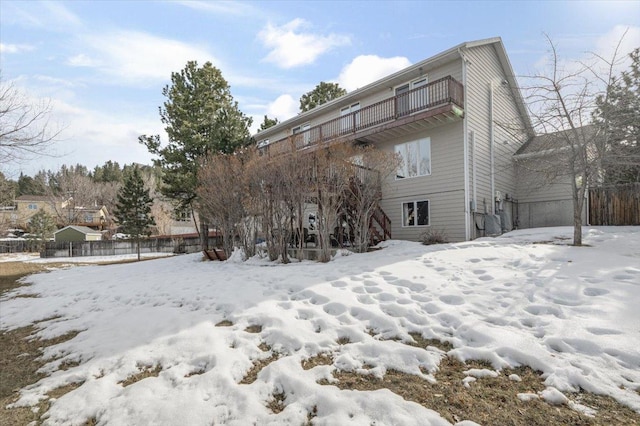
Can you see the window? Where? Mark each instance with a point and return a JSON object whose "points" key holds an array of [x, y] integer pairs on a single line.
{"points": [[415, 213], [306, 137], [416, 158], [33, 207], [350, 117], [88, 218], [414, 101]]}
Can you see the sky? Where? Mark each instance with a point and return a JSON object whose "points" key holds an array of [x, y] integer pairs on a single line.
{"points": [[102, 65], [526, 298]]}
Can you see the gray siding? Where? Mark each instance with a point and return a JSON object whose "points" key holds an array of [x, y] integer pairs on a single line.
{"points": [[444, 188]]}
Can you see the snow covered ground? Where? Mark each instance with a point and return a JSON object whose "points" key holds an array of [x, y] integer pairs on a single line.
{"points": [[570, 312]]}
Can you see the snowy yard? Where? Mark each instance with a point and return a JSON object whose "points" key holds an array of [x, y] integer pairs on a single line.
{"points": [[526, 298]]}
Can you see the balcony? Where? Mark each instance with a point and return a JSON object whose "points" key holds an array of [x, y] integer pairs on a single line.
{"points": [[435, 103]]}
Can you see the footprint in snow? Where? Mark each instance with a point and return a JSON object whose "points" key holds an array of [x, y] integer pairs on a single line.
{"points": [[385, 297], [366, 299], [339, 284], [594, 291], [602, 331], [474, 260], [334, 308], [451, 299]]}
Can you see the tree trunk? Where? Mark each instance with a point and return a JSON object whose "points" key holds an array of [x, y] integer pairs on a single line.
{"points": [[204, 233], [138, 246]]}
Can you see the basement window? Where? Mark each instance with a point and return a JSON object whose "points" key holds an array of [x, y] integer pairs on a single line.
{"points": [[415, 213]]}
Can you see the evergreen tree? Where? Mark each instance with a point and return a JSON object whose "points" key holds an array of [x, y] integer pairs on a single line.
{"points": [[268, 122], [618, 113], [322, 93], [41, 228], [133, 208], [200, 118]]}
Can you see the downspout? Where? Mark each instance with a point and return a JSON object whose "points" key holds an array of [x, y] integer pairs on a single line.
{"points": [[467, 201], [491, 150]]}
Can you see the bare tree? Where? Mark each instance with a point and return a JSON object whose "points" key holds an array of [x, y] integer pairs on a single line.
{"points": [[220, 193], [25, 129], [370, 169], [561, 101]]}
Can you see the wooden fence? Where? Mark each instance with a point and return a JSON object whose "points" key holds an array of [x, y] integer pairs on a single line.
{"points": [[615, 205], [120, 247]]}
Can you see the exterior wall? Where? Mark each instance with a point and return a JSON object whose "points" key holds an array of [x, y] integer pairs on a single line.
{"points": [[444, 188], [543, 203], [483, 69], [23, 213]]}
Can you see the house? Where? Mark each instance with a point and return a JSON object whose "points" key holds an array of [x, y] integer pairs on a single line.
{"points": [[454, 120], [544, 181], [74, 233], [63, 212]]}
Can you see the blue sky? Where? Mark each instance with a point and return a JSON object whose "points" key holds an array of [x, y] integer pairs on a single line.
{"points": [[103, 64]]}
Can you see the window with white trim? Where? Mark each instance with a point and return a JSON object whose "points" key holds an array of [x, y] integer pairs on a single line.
{"points": [[348, 121], [416, 158], [415, 213], [303, 129], [414, 101]]}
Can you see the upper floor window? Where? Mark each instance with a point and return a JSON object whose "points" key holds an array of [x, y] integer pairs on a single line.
{"points": [[350, 117], [306, 135], [410, 100], [33, 207], [88, 218], [416, 158]]}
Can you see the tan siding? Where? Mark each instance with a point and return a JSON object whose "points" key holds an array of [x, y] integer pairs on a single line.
{"points": [[484, 67], [444, 188]]}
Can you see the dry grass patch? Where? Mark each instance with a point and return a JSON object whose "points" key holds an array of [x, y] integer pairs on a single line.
{"points": [[145, 372], [343, 340], [421, 342], [256, 328], [258, 365], [314, 361], [276, 403], [224, 323], [20, 359], [488, 401]]}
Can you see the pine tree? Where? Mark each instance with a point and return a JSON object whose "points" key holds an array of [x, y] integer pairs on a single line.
{"points": [[322, 93], [200, 118], [41, 228], [617, 113], [133, 208], [268, 122]]}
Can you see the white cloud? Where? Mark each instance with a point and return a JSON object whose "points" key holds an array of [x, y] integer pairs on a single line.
{"points": [[15, 48], [82, 60], [92, 137], [366, 69], [283, 108], [138, 58], [606, 44], [291, 48], [219, 7]]}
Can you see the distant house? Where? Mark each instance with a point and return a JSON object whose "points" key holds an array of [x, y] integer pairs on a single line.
{"points": [[440, 116], [63, 212], [74, 233]]}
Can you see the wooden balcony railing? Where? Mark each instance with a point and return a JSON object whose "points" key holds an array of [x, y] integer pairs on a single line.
{"points": [[444, 91]]}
